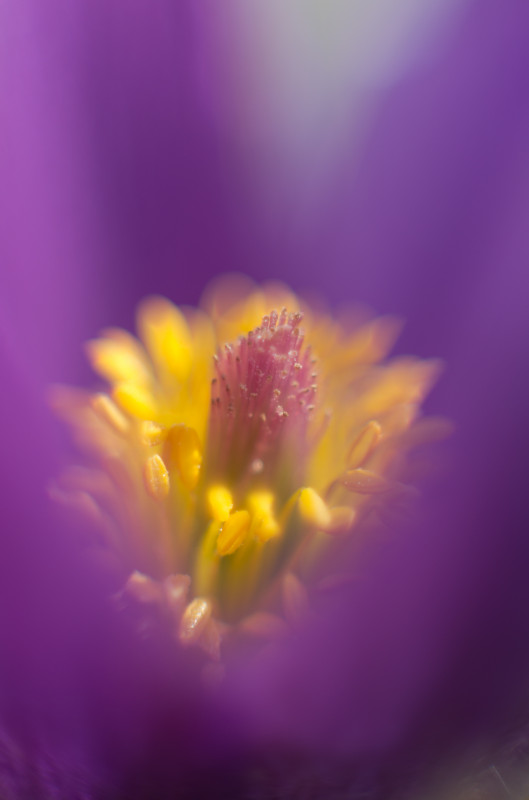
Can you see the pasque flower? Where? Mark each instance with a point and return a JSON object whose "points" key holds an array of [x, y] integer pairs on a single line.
{"points": [[235, 448], [124, 174]]}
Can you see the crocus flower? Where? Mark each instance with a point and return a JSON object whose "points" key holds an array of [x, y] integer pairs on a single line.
{"points": [[431, 226]]}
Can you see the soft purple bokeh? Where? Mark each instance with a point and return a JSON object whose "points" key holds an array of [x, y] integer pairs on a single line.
{"points": [[119, 180]]}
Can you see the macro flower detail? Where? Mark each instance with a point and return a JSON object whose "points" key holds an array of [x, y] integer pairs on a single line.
{"points": [[238, 449]]}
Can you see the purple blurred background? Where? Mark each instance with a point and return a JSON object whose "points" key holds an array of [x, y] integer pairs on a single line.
{"points": [[379, 158]]}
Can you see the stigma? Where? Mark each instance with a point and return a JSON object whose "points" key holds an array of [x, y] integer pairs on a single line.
{"points": [[233, 449], [263, 393]]}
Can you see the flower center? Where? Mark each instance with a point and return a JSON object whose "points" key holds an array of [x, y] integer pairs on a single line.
{"points": [[223, 485]]}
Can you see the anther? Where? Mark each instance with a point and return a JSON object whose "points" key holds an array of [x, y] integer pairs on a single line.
{"points": [[156, 478], [364, 444], [264, 524], [233, 533], [220, 503], [313, 508], [194, 620], [152, 434], [183, 451], [362, 481], [105, 407]]}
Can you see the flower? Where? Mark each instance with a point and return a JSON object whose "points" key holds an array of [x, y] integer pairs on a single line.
{"points": [[236, 449], [120, 178]]}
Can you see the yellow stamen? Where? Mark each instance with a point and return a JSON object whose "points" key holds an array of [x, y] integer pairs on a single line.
{"points": [[264, 523], [156, 478], [220, 503], [105, 407], [152, 434], [364, 444], [118, 358], [194, 620], [313, 508], [363, 481], [135, 400], [184, 452], [166, 334], [207, 561], [233, 532], [256, 427]]}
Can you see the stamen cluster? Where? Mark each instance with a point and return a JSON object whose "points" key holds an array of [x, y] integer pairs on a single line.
{"points": [[222, 474]]}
